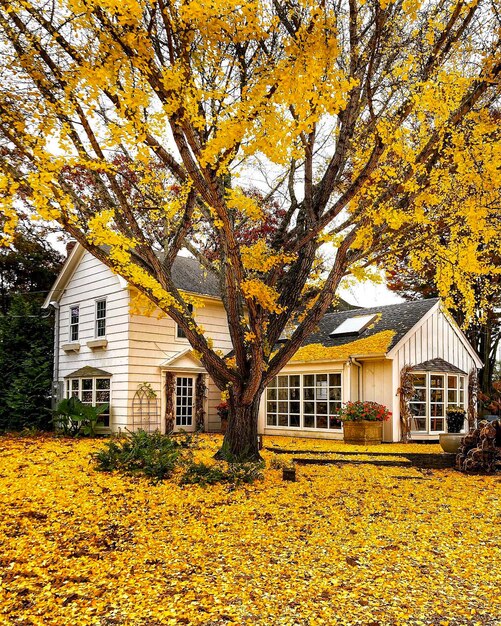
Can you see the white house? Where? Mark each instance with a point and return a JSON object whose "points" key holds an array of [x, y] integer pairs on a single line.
{"points": [[143, 366]]}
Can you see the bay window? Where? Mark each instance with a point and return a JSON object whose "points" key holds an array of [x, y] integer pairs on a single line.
{"points": [[433, 393], [93, 391]]}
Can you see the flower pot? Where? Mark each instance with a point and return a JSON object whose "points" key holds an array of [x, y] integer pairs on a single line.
{"points": [[363, 432], [224, 425], [450, 442], [289, 474]]}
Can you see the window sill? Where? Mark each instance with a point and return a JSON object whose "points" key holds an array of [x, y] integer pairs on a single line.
{"points": [[95, 344], [71, 347]]}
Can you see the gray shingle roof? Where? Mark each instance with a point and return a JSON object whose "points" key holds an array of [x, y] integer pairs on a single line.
{"points": [[437, 365], [189, 275], [88, 372], [397, 317]]}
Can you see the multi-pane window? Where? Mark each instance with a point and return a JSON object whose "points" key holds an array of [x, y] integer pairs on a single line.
{"points": [[100, 318], [93, 391], [180, 332], [433, 393], [283, 401], [308, 401], [74, 320], [419, 403], [184, 401], [437, 402]]}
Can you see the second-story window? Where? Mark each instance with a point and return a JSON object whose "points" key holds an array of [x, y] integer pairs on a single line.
{"points": [[180, 332], [74, 320], [100, 318]]}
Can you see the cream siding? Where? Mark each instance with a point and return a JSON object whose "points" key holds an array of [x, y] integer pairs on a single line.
{"points": [[92, 281], [153, 341], [377, 386]]}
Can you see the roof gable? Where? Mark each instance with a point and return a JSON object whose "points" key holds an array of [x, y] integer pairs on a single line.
{"points": [[183, 360], [398, 318], [187, 274]]}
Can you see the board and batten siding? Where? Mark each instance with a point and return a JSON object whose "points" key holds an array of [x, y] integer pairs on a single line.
{"points": [[91, 281], [153, 341], [434, 337], [377, 386]]}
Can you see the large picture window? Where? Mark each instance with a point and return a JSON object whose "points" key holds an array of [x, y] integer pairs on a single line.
{"points": [[93, 391], [304, 401], [433, 393]]}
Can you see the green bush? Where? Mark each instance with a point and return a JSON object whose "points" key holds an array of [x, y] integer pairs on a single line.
{"points": [[235, 473], [150, 454], [202, 474], [72, 417]]}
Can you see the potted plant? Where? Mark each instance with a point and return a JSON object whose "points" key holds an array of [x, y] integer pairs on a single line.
{"points": [[363, 422], [451, 440], [222, 411]]}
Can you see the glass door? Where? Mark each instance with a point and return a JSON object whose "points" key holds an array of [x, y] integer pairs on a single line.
{"points": [[185, 401]]}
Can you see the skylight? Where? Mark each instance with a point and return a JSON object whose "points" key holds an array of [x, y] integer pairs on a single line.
{"points": [[354, 325]]}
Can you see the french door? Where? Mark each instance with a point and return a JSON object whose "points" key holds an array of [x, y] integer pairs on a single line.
{"points": [[185, 403]]}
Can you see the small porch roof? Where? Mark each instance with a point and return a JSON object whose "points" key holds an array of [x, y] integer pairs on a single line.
{"points": [[437, 365], [88, 372]]}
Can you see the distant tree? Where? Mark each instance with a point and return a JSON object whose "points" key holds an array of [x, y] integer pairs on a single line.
{"points": [[27, 266], [27, 270], [483, 329]]}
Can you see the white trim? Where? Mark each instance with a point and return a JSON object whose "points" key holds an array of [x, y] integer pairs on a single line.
{"points": [[67, 271], [461, 336], [171, 361]]}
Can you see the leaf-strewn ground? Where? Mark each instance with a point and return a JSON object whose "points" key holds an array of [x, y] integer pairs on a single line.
{"points": [[366, 545]]}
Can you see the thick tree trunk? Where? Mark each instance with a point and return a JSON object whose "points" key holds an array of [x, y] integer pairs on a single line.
{"points": [[240, 440]]}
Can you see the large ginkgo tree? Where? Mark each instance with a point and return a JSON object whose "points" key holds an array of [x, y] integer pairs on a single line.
{"points": [[140, 126]]}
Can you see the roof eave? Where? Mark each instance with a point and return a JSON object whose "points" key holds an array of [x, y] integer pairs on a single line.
{"points": [[64, 275]]}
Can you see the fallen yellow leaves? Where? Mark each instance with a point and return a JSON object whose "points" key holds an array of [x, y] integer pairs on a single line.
{"points": [[374, 344], [344, 545]]}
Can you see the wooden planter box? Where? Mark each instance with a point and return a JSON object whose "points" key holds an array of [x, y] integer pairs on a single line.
{"points": [[363, 433]]}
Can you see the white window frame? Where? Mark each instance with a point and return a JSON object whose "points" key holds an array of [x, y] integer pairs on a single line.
{"points": [[98, 319], [77, 390], [183, 337], [461, 400], [74, 325], [269, 400]]}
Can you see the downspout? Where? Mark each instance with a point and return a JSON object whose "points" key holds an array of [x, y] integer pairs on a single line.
{"points": [[354, 361], [55, 380]]}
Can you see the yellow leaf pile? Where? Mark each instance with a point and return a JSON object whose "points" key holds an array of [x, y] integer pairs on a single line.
{"points": [[344, 545], [375, 344]]}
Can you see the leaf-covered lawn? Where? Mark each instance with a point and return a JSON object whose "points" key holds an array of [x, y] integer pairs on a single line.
{"points": [[344, 545]]}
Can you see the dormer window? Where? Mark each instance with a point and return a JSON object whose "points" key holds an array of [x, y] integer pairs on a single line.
{"points": [[74, 321], [180, 332], [353, 325]]}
